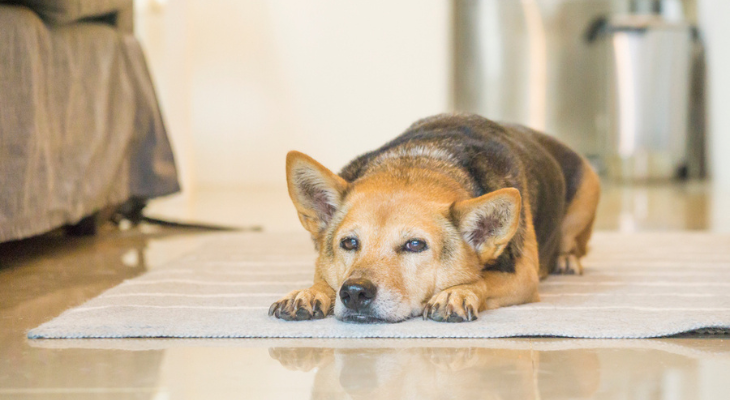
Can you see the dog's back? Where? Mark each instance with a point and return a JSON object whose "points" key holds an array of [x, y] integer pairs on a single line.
{"points": [[492, 156]]}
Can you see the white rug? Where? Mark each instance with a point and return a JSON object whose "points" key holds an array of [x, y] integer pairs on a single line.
{"points": [[635, 286]]}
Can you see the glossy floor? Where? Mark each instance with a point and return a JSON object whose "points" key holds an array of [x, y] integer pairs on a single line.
{"points": [[41, 277]]}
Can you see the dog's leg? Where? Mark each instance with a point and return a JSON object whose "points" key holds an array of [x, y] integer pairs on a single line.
{"points": [[577, 224], [462, 303], [496, 289], [315, 302], [519, 287]]}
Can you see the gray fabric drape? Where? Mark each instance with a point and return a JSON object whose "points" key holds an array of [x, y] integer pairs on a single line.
{"points": [[80, 126]]}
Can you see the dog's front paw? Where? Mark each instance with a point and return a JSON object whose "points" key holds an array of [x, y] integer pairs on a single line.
{"points": [[456, 304], [301, 305], [568, 264]]}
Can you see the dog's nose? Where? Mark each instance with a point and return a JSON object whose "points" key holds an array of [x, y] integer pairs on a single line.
{"points": [[357, 294]]}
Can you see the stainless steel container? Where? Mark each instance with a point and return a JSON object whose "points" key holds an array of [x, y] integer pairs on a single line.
{"points": [[627, 92], [648, 86], [528, 61]]}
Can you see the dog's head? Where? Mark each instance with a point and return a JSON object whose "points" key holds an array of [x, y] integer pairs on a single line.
{"points": [[389, 241]]}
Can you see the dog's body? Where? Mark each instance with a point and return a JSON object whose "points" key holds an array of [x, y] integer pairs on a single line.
{"points": [[458, 214]]}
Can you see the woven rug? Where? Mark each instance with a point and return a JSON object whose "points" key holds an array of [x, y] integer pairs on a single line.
{"points": [[634, 286]]}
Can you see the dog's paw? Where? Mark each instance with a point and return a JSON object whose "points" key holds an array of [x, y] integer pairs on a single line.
{"points": [[568, 264], [452, 305], [301, 305]]}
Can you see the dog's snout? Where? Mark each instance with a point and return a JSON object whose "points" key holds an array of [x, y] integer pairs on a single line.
{"points": [[357, 294]]}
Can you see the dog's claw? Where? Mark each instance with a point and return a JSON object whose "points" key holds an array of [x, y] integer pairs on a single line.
{"points": [[433, 312], [568, 264], [452, 316], [317, 310], [455, 318], [301, 305], [302, 314]]}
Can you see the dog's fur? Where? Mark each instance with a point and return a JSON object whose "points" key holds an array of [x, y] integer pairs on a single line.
{"points": [[497, 206]]}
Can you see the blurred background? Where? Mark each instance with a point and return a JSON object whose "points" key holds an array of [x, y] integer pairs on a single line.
{"points": [[635, 85]]}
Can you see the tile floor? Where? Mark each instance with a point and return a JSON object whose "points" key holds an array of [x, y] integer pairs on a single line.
{"points": [[41, 277]]}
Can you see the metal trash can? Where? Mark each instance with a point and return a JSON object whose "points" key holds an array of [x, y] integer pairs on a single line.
{"points": [[528, 62], [649, 80]]}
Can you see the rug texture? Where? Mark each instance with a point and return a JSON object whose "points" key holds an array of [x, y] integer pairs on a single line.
{"points": [[634, 286]]}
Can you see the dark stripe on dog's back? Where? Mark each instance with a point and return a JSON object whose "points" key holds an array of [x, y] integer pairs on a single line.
{"points": [[570, 163]]}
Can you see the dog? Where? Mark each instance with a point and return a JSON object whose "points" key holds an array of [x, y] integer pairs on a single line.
{"points": [[457, 215]]}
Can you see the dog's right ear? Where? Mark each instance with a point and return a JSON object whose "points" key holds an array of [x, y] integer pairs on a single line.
{"points": [[316, 191], [489, 222]]}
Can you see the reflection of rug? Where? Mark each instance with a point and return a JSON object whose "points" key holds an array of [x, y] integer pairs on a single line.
{"points": [[638, 285]]}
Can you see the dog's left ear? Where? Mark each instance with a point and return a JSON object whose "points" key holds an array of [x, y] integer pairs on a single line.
{"points": [[315, 191], [489, 222]]}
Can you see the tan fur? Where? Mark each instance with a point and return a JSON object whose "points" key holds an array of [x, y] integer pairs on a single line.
{"points": [[578, 222], [301, 163], [493, 289], [418, 200], [385, 213], [468, 211], [508, 289]]}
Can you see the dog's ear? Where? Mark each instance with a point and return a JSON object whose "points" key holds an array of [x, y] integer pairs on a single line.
{"points": [[316, 191], [488, 222]]}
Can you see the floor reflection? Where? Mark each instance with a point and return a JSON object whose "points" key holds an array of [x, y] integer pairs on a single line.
{"points": [[444, 373], [660, 206], [531, 369], [43, 276]]}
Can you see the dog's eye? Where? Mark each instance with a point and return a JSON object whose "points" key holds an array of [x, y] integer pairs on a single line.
{"points": [[350, 244], [415, 246]]}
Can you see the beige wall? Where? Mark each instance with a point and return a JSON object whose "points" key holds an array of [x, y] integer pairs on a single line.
{"points": [[713, 17], [243, 82], [161, 28]]}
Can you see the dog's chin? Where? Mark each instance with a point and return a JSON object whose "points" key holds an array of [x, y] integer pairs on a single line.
{"points": [[363, 319], [367, 319]]}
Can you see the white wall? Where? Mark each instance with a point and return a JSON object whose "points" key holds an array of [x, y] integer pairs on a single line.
{"points": [[713, 18], [162, 29], [243, 82], [258, 78]]}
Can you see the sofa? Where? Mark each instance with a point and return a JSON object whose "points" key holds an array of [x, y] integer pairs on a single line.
{"points": [[80, 125]]}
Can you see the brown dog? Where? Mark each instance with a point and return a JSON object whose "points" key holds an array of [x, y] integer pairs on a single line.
{"points": [[457, 215]]}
